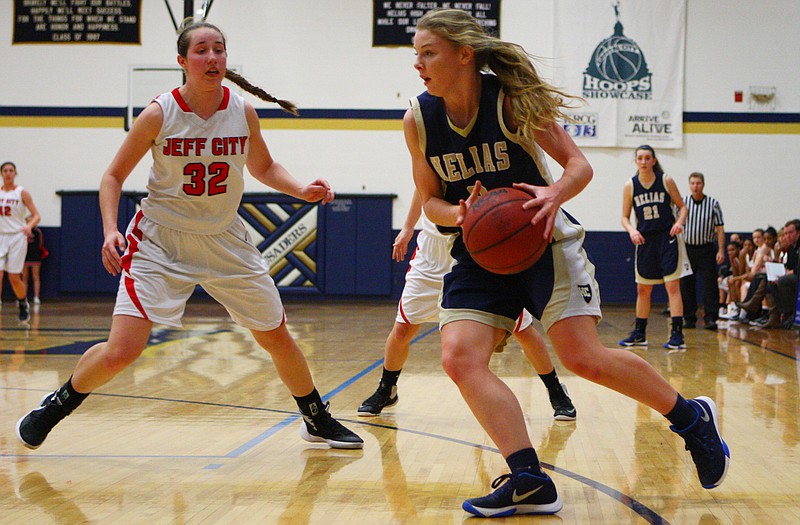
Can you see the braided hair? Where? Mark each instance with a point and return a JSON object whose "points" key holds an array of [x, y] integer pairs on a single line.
{"points": [[535, 102], [184, 37]]}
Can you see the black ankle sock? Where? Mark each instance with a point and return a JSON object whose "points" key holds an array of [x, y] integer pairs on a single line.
{"points": [[389, 377], [682, 414], [550, 380], [677, 324], [310, 405], [69, 397], [641, 324], [524, 460]]}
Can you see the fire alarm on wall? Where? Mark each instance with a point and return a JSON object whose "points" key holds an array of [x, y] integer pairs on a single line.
{"points": [[738, 96]]}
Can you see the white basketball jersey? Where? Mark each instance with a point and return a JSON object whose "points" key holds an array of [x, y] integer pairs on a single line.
{"points": [[12, 211], [197, 179], [429, 228]]}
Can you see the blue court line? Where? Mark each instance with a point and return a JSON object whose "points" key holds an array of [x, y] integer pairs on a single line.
{"points": [[291, 419], [649, 515], [79, 347], [646, 513]]}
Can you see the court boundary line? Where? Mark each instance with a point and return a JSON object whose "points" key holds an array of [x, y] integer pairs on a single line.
{"points": [[649, 515]]}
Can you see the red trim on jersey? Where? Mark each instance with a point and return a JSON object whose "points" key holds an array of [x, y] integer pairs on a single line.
{"points": [[519, 323], [133, 246], [226, 98], [402, 313], [129, 285], [412, 258], [176, 94], [133, 243]]}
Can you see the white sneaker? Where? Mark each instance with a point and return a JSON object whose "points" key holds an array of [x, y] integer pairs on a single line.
{"points": [[732, 313], [36, 300], [722, 312]]}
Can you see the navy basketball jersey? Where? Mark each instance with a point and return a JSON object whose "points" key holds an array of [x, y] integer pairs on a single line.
{"points": [[485, 150], [653, 205]]}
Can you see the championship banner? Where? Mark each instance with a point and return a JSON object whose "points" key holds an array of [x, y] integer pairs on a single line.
{"points": [[626, 60]]}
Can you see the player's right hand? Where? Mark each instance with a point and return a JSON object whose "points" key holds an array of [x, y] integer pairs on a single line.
{"points": [[400, 246], [464, 205], [637, 238], [113, 245]]}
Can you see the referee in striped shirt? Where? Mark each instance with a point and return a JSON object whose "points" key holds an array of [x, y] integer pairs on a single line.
{"points": [[703, 227]]}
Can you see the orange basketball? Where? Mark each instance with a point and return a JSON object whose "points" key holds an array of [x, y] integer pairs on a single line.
{"points": [[498, 232]]}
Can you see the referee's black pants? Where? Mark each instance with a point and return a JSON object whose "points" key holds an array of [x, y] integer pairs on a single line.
{"points": [[703, 259]]}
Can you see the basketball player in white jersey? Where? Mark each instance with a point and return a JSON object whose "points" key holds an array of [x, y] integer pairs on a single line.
{"points": [[16, 204], [201, 137], [419, 304]]}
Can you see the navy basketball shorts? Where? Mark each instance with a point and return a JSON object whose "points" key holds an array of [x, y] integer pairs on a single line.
{"points": [[662, 258], [561, 284]]}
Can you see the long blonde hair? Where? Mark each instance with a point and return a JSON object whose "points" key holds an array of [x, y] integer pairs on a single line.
{"points": [[535, 102]]}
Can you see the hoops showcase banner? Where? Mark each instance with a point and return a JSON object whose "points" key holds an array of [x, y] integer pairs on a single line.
{"points": [[626, 59]]}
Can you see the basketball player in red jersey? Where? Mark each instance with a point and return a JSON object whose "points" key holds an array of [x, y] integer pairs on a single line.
{"points": [[509, 117], [16, 204], [201, 137]]}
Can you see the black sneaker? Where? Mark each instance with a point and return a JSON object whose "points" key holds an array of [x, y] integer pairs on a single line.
{"points": [[636, 338], [24, 311], [323, 428], [33, 428], [518, 494], [563, 409], [676, 341], [709, 451], [384, 397]]}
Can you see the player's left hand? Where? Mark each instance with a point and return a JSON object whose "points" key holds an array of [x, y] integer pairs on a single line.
{"points": [[547, 200]]}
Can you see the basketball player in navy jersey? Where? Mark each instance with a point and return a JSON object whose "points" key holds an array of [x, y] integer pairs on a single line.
{"points": [[419, 304], [187, 233], [660, 252], [472, 131]]}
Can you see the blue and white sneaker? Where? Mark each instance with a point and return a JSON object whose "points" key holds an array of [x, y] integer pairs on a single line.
{"points": [[675, 341], [709, 451], [517, 494], [636, 338]]}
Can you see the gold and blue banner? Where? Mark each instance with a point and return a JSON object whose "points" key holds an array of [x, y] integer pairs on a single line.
{"points": [[626, 60]]}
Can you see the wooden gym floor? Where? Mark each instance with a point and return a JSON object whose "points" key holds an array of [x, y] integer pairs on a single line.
{"points": [[201, 430]]}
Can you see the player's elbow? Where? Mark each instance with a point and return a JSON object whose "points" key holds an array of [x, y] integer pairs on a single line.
{"points": [[588, 172]]}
